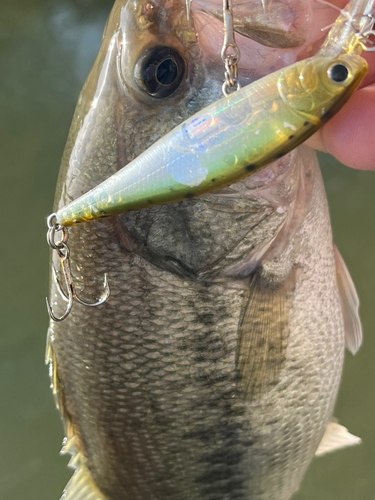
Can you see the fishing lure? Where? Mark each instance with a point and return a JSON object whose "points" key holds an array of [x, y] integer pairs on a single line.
{"points": [[232, 138]]}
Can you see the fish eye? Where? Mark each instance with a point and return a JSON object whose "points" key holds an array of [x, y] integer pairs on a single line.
{"points": [[338, 73], [159, 71]]}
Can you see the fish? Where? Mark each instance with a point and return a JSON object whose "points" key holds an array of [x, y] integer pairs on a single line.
{"points": [[235, 136], [213, 370]]}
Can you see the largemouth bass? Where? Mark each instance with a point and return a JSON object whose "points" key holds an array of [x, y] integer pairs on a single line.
{"points": [[213, 370]]}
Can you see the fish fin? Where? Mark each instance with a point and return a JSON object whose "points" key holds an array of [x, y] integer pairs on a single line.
{"points": [[349, 305], [81, 486], [336, 437], [55, 385], [263, 334]]}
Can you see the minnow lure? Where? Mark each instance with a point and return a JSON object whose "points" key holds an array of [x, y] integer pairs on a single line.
{"points": [[232, 138], [239, 134], [228, 140]]}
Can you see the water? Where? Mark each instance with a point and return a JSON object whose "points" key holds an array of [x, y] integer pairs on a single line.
{"points": [[46, 50]]}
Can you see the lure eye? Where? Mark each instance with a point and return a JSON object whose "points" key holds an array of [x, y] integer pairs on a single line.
{"points": [[159, 71], [338, 73]]}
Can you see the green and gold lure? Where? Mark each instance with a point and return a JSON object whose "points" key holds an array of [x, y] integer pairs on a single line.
{"points": [[237, 135], [228, 140]]}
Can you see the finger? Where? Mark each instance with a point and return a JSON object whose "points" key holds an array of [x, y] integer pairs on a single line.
{"points": [[370, 77], [350, 135]]}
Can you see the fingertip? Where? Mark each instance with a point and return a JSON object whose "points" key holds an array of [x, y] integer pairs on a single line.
{"points": [[350, 135]]}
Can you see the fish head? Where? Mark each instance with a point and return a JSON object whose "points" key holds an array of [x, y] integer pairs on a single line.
{"points": [[153, 71], [316, 85], [148, 77]]}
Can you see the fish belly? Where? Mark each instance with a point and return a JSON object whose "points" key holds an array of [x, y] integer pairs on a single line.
{"points": [[149, 381]]}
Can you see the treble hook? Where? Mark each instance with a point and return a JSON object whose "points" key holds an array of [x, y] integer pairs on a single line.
{"points": [[63, 253]]}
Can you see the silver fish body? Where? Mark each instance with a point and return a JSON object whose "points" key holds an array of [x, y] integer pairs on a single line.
{"points": [[212, 371]]}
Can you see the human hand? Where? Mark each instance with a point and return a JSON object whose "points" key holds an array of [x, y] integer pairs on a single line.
{"points": [[350, 135]]}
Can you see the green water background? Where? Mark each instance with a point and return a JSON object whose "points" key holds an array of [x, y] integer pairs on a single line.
{"points": [[46, 50]]}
